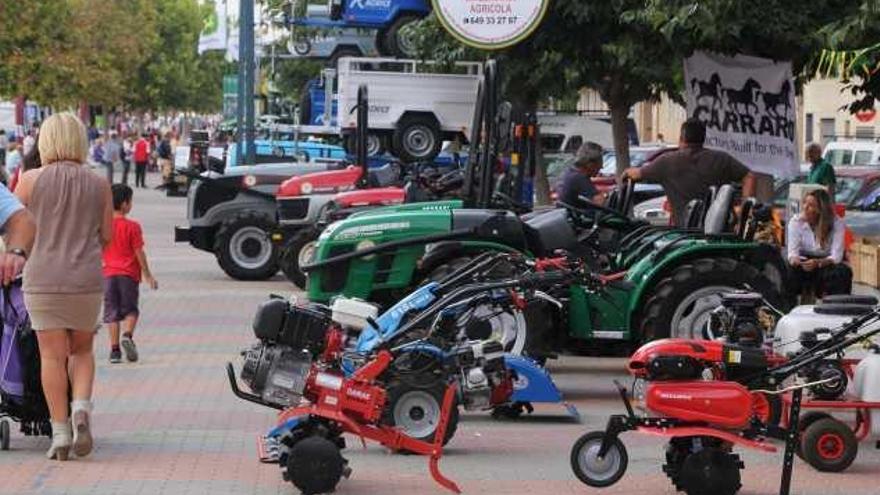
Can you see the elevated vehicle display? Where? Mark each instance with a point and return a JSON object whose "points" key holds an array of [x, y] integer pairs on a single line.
{"points": [[414, 106], [391, 19]]}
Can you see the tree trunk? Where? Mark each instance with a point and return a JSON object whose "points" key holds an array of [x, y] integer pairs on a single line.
{"points": [[619, 118]]}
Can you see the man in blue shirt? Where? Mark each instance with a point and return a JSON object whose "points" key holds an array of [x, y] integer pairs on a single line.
{"points": [[576, 182], [19, 229]]}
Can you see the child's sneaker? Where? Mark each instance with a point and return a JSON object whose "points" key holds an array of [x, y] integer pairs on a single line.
{"points": [[131, 353], [115, 355]]}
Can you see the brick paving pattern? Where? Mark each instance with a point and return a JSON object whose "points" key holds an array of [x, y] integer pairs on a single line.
{"points": [[169, 425]]}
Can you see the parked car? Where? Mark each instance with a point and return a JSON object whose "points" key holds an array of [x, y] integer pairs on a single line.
{"points": [[334, 44]]}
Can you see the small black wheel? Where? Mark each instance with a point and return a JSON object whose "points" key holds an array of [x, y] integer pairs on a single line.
{"points": [[592, 470], [300, 249], [314, 465], [710, 471], [829, 445], [803, 423], [4, 434]]}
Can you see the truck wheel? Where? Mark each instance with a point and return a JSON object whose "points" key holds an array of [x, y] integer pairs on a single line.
{"points": [[399, 39], [299, 250], [680, 304], [345, 51], [376, 144], [244, 248], [417, 138]]}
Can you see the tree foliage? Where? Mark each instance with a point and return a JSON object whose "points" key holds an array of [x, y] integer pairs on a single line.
{"points": [[853, 53], [608, 46], [802, 32], [137, 53]]}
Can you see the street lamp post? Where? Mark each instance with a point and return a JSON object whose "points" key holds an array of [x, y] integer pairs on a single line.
{"points": [[246, 67]]}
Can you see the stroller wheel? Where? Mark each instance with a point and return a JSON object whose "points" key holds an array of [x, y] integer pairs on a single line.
{"points": [[593, 470], [4, 434], [829, 445]]}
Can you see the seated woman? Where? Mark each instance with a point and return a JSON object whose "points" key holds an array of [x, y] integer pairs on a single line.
{"points": [[815, 248]]}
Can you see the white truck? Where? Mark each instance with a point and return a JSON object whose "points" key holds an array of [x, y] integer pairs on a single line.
{"points": [[414, 107], [564, 133]]}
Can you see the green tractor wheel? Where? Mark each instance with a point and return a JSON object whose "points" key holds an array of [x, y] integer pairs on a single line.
{"points": [[679, 305]]}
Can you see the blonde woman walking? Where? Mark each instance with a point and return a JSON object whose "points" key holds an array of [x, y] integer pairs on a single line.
{"points": [[73, 211]]}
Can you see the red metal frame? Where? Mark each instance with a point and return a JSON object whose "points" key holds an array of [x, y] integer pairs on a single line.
{"points": [[705, 431], [356, 405], [862, 410]]}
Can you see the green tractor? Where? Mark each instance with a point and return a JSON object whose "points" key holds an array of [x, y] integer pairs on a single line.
{"points": [[659, 282]]}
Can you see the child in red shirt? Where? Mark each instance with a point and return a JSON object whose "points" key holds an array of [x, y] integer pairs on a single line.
{"points": [[124, 263]]}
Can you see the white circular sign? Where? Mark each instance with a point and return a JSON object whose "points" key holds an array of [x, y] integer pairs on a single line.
{"points": [[490, 24]]}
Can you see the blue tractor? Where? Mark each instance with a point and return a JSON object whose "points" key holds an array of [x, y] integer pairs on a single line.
{"points": [[391, 18]]}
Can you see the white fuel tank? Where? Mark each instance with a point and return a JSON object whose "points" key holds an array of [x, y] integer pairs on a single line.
{"points": [[867, 386], [802, 319], [353, 313]]}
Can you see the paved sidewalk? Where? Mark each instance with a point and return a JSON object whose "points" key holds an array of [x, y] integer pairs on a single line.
{"points": [[170, 425]]}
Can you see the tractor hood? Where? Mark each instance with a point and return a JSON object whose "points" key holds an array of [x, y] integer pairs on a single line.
{"points": [[449, 204], [385, 196], [329, 182], [376, 229]]}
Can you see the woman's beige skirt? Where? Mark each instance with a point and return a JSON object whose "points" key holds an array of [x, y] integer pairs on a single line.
{"points": [[64, 311]]}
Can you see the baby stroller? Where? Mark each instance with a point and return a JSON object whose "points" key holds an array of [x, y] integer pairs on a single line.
{"points": [[21, 392]]}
